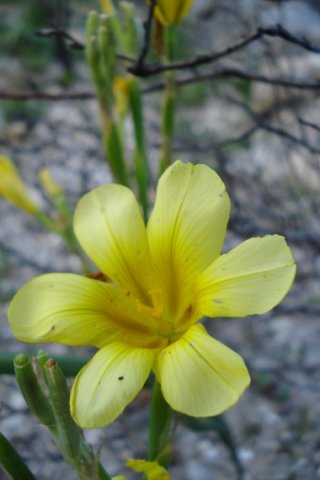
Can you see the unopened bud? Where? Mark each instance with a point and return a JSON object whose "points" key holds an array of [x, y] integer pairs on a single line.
{"points": [[13, 189]]}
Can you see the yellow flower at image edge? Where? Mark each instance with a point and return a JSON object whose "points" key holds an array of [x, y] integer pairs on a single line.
{"points": [[162, 279], [152, 470], [172, 12], [12, 187]]}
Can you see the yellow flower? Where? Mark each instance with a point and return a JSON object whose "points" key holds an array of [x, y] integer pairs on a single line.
{"points": [[106, 6], [152, 470], [121, 92], [12, 187], [50, 186], [172, 12], [163, 279]]}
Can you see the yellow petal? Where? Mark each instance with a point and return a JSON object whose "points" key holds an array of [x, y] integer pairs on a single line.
{"points": [[62, 308], [172, 12], [75, 310], [49, 185], [107, 6], [121, 92], [152, 470], [12, 187], [186, 229], [111, 380], [109, 226], [250, 279], [200, 376]]}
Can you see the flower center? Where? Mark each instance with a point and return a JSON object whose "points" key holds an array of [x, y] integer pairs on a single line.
{"points": [[161, 322]]}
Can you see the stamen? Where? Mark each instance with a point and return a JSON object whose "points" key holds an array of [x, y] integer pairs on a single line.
{"points": [[156, 310]]}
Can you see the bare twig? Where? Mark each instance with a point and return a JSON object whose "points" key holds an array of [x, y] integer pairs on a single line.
{"points": [[145, 71], [147, 25], [233, 72], [260, 123], [247, 134], [226, 72], [59, 32], [306, 123], [216, 74], [287, 135], [281, 32], [53, 97], [242, 137], [283, 375], [150, 70]]}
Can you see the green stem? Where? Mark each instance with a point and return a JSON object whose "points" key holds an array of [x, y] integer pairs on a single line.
{"points": [[70, 437], [12, 463], [100, 54], [168, 122], [49, 224], [159, 424], [141, 160], [102, 474], [114, 152], [168, 105]]}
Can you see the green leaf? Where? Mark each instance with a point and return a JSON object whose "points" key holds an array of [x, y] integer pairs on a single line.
{"points": [[12, 463]]}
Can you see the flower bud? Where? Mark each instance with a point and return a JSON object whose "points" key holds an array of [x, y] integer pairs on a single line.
{"points": [[106, 6], [49, 185], [172, 12], [30, 385], [121, 91], [12, 187]]}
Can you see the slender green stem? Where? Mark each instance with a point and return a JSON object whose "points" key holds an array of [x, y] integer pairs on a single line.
{"points": [[6, 363], [168, 122], [49, 224], [141, 160], [68, 433], [159, 423], [12, 463], [169, 104], [70, 437], [102, 474], [100, 54], [114, 152]]}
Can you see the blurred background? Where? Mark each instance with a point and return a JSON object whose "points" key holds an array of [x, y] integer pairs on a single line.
{"points": [[253, 115]]}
